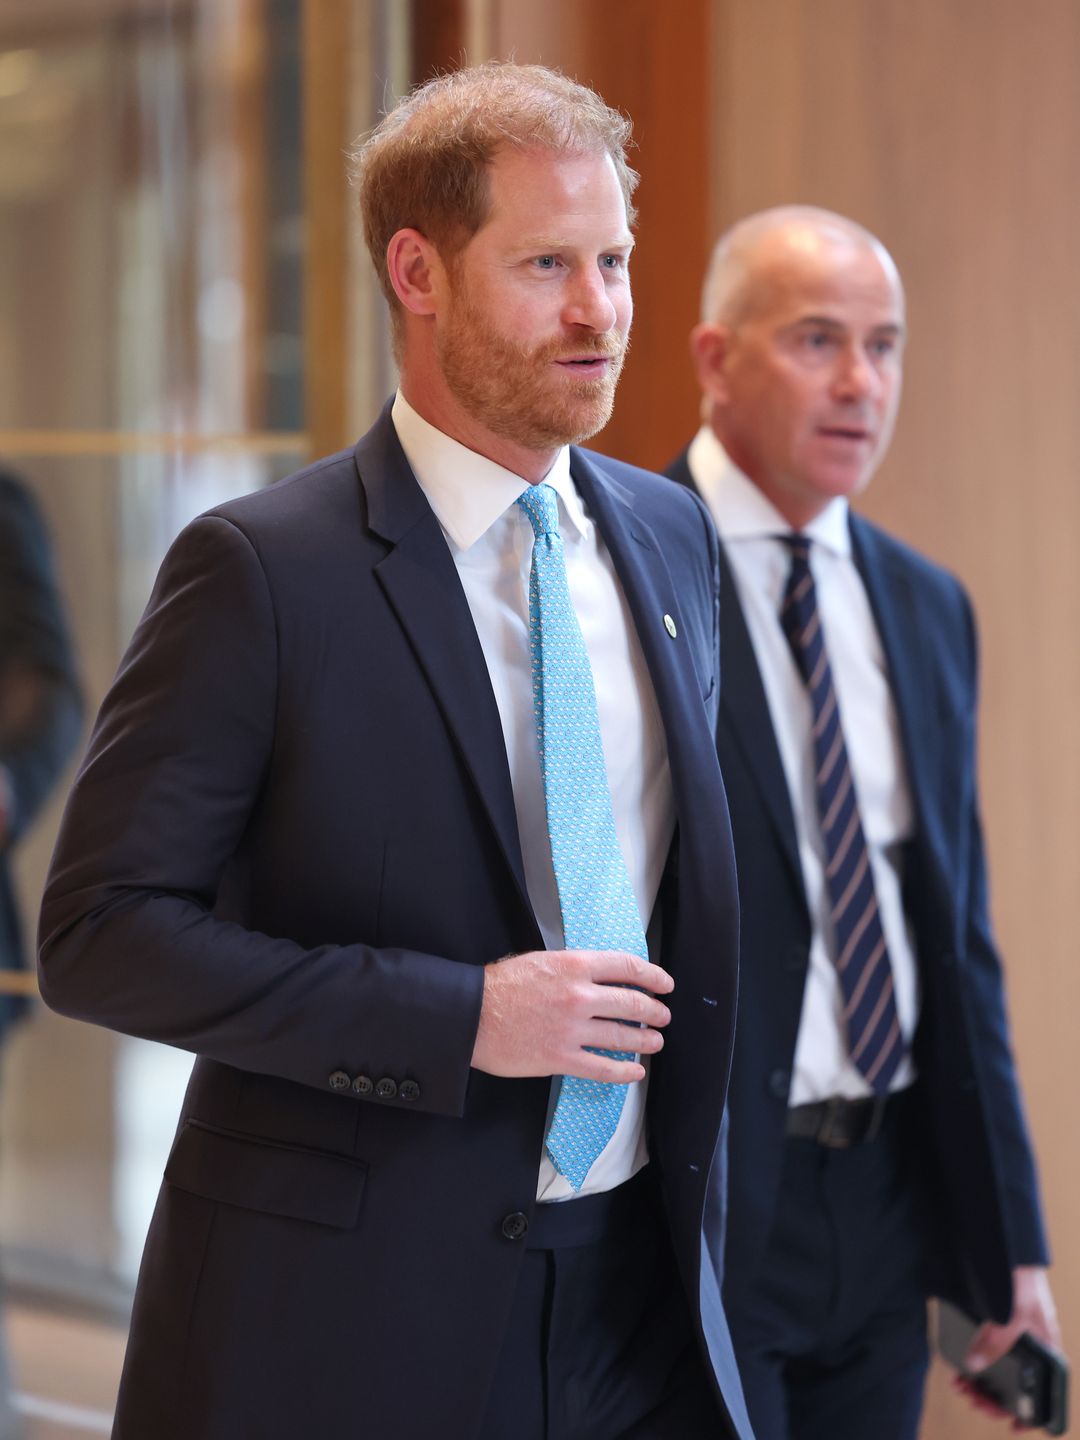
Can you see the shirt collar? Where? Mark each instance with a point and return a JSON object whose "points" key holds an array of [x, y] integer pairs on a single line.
{"points": [[467, 491], [742, 512]]}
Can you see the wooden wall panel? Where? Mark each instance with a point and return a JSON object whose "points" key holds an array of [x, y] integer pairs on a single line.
{"points": [[953, 130]]}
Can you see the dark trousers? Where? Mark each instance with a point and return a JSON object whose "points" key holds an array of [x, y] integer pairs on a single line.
{"points": [[831, 1335], [600, 1344]]}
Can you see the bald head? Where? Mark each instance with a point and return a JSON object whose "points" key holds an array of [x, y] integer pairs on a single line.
{"points": [[799, 355], [745, 260]]}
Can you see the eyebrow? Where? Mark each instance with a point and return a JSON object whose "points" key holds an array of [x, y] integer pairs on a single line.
{"points": [[827, 322], [543, 245]]}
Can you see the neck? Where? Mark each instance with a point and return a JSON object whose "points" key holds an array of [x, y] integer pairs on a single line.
{"points": [[797, 510], [430, 397]]}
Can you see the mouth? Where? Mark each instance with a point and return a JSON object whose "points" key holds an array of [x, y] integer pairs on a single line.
{"points": [[852, 434], [586, 366]]}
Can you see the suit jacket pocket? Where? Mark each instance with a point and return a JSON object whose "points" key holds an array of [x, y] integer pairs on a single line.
{"points": [[264, 1175]]}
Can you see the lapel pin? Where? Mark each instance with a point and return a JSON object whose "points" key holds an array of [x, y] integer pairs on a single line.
{"points": [[669, 626]]}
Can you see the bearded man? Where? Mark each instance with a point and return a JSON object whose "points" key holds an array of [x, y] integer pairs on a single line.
{"points": [[403, 807]]}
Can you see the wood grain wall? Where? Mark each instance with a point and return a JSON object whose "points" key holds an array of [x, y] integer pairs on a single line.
{"points": [[952, 129]]}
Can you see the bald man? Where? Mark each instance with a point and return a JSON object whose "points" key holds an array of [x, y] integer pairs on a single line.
{"points": [[879, 1152]]}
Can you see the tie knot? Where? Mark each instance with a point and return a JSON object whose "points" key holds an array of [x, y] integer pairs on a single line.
{"points": [[541, 505], [799, 545]]}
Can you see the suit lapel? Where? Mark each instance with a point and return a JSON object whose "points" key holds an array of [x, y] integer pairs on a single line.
{"points": [[895, 611], [650, 595], [421, 583], [744, 709]]}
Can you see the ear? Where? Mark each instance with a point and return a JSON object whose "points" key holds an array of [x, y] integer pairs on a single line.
{"points": [[416, 272], [710, 347]]}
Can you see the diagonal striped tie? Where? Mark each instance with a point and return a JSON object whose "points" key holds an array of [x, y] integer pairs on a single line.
{"points": [[599, 909], [875, 1043]]}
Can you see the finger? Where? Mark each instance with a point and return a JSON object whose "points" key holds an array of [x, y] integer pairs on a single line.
{"points": [[990, 1343], [607, 966], [590, 1066], [1044, 1326], [608, 1002], [610, 1035]]}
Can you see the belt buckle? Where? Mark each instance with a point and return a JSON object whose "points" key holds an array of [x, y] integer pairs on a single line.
{"points": [[829, 1133]]}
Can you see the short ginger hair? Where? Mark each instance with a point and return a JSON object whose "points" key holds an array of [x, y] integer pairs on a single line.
{"points": [[425, 165]]}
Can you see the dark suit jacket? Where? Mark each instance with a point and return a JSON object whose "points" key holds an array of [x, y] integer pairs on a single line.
{"points": [[40, 708], [291, 849], [986, 1195]]}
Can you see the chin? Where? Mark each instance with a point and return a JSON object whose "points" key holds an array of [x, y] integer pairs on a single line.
{"points": [[840, 486], [571, 423]]}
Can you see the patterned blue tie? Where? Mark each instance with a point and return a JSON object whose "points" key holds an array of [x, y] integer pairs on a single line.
{"points": [[599, 911], [875, 1043]]}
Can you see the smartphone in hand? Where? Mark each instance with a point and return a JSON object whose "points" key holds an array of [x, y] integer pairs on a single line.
{"points": [[1030, 1382]]}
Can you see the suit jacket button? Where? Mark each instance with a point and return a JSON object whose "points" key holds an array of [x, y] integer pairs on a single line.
{"points": [[515, 1225], [386, 1089], [339, 1080], [779, 1084], [363, 1084], [409, 1090]]}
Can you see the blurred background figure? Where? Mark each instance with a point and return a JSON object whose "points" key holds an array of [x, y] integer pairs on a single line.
{"points": [[40, 718], [40, 706], [879, 1149]]}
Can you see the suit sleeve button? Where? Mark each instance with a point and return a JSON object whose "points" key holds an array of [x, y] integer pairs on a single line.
{"points": [[363, 1084], [409, 1090], [515, 1225], [386, 1089], [779, 1084], [339, 1080]]}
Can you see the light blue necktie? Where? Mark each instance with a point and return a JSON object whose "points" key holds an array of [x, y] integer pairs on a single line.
{"points": [[599, 911]]}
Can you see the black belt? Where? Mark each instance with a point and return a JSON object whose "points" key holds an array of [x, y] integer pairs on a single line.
{"points": [[839, 1123]]}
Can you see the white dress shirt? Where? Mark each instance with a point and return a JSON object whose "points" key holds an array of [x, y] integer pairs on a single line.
{"points": [[749, 526], [491, 541]]}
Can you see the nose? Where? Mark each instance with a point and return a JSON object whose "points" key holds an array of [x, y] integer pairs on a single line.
{"points": [[588, 302], [857, 377]]}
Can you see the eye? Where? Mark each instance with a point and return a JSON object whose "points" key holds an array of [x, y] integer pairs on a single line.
{"points": [[545, 262], [884, 346], [817, 339], [613, 262]]}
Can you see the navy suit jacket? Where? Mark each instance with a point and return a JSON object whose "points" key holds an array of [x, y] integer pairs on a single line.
{"points": [[987, 1212], [291, 849]]}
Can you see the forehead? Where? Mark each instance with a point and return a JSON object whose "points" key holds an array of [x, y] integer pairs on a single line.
{"points": [[531, 188], [843, 280]]}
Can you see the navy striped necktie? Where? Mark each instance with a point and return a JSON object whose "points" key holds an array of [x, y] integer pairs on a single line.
{"points": [[861, 957]]}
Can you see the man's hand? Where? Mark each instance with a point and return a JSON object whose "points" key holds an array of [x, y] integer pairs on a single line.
{"points": [[542, 1009], [1033, 1311]]}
